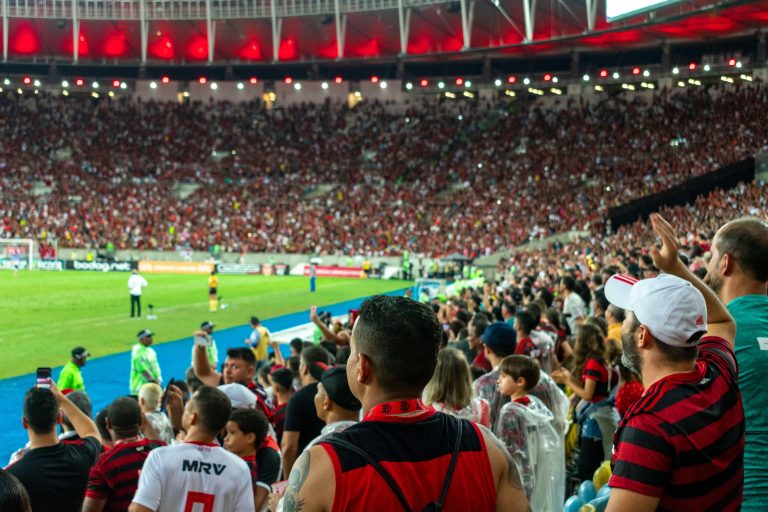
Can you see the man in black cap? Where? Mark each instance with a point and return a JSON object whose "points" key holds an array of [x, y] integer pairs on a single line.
{"points": [[144, 365], [70, 377], [335, 404]]}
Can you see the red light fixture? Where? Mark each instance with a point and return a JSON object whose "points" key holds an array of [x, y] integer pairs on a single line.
{"points": [[165, 80], [635, 71], [115, 83], [338, 79], [692, 66], [79, 82], [27, 80], [547, 77], [603, 73], [375, 79], [459, 81], [254, 80], [511, 80], [424, 83], [288, 80], [731, 62], [202, 80]]}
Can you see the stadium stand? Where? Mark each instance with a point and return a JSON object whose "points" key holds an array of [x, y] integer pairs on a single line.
{"points": [[421, 179]]}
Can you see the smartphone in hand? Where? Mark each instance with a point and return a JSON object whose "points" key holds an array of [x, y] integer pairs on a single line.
{"points": [[165, 394], [44, 378], [202, 340]]}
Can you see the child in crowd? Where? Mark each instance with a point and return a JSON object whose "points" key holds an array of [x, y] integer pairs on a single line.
{"points": [[525, 427], [246, 431]]}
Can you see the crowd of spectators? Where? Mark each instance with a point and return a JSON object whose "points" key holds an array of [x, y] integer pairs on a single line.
{"points": [[431, 178], [533, 356]]}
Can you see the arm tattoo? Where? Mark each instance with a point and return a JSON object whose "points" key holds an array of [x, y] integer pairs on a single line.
{"points": [[299, 473], [513, 476]]}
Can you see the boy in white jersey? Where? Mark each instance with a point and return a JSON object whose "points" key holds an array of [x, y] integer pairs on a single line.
{"points": [[197, 474]]}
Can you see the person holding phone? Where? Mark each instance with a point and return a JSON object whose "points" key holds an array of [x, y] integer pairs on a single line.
{"points": [[71, 377], [55, 474], [144, 365]]}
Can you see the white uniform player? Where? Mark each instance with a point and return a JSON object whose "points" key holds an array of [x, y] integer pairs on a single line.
{"points": [[195, 477]]}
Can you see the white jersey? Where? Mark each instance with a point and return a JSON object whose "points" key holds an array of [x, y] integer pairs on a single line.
{"points": [[136, 283], [195, 477]]}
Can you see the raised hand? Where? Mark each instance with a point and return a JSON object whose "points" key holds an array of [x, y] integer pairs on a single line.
{"points": [[666, 258]]}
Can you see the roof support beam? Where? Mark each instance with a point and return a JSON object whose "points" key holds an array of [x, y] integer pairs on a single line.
{"points": [[467, 16], [210, 30], [591, 6], [144, 30], [75, 34], [277, 26], [5, 30], [341, 29], [404, 22], [529, 7]]}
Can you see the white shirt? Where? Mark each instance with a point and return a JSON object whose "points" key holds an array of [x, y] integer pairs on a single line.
{"points": [[573, 309], [195, 477], [136, 283]]}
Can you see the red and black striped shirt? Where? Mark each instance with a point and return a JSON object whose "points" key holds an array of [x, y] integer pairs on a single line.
{"points": [[595, 370], [416, 451], [683, 440], [115, 476]]}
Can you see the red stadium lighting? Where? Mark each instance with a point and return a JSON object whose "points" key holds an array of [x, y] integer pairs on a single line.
{"points": [[338, 79], [459, 81], [692, 66], [27, 80], [202, 80], [635, 71], [115, 83], [424, 83], [288, 80], [731, 62], [511, 80], [374, 79], [254, 80], [547, 77], [165, 80], [79, 82], [603, 73]]}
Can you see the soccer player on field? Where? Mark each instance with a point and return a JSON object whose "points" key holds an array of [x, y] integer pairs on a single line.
{"points": [[213, 285]]}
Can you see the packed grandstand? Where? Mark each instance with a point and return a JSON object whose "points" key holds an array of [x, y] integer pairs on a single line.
{"points": [[431, 177], [563, 360]]}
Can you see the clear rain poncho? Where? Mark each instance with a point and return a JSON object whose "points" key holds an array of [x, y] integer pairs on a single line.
{"points": [[538, 451]]}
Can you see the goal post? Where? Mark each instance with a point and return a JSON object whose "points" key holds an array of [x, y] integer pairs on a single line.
{"points": [[17, 253]]}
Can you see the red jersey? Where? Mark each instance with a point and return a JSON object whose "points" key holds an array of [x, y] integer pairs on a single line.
{"points": [[415, 451], [526, 347], [683, 441], [595, 370], [115, 476]]}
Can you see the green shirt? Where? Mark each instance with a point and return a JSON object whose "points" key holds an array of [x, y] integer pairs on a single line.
{"points": [[751, 315], [71, 378], [143, 365]]}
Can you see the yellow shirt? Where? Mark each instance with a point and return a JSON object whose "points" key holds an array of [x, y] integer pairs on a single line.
{"points": [[614, 332], [260, 350], [213, 282]]}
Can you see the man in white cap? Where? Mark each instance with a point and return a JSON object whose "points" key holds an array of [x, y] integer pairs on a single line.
{"points": [[681, 445]]}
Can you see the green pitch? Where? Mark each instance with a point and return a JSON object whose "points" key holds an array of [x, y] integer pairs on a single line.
{"points": [[44, 314]]}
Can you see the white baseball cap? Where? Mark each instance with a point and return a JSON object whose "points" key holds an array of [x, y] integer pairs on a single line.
{"points": [[670, 307], [240, 396]]}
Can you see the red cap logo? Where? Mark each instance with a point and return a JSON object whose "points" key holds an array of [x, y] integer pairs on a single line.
{"points": [[700, 320]]}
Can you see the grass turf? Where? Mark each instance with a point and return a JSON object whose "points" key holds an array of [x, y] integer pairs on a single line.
{"points": [[43, 315]]}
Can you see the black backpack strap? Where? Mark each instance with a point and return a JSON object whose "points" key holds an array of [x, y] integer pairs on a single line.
{"points": [[370, 460], [452, 466]]}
